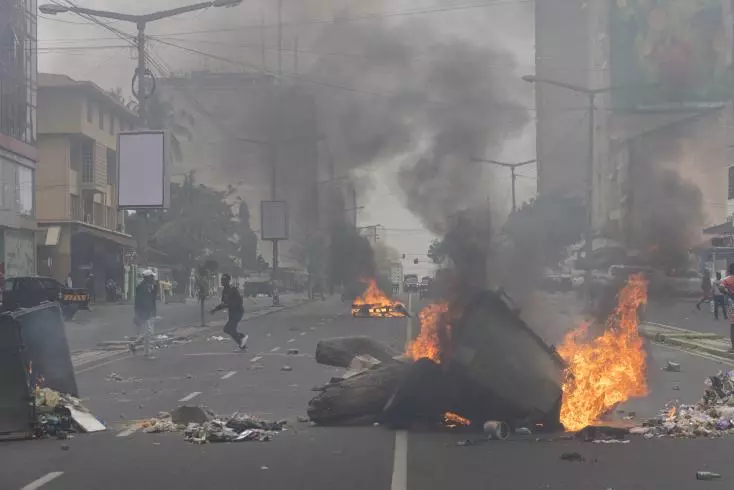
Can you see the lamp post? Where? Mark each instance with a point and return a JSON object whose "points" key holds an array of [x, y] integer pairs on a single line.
{"points": [[512, 167], [141, 21]]}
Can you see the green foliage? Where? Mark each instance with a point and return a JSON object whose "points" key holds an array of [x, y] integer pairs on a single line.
{"points": [[350, 256], [437, 251], [546, 226], [247, 240]]}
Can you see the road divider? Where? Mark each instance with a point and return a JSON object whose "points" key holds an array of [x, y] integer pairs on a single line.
{"points": [[688, 340]]}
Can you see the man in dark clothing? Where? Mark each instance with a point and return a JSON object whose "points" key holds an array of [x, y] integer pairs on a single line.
{"points": [[232, 301], [146, 295]]}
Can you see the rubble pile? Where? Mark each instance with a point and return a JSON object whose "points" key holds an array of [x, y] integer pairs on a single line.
{"points": [[199, 426], [59, 414], [712, 416]]}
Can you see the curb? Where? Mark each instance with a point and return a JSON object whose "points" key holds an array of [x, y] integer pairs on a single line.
{"points": [[689, 340]]}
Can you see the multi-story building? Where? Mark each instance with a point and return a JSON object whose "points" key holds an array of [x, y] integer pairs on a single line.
{"points": [[76, 180], [664, 97], [18, 152]]}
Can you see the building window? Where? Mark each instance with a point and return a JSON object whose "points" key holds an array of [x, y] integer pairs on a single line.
{"points": [[25, 190], [101, 118], [111, 167], [731, 182], [90, 112], [76, 208], [88, 161]]}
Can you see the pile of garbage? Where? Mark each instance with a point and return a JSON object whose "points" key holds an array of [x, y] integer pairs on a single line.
{"points": [[59, 414], [712, 416], [200, 426]]}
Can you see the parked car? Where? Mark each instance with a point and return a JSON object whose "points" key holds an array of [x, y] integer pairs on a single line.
{"points": [[254, 289], [30, 291], [410, 283]]}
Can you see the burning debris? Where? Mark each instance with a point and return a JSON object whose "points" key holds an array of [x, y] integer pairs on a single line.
{"points": [[608, 370], [452, 374], [200, 426], [375, 304]]}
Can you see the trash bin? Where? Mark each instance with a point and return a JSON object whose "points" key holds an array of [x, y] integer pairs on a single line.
{"points": [[45, 348], [16, 409]]}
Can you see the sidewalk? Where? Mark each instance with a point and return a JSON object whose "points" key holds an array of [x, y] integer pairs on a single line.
{"points": [[690, 340]]}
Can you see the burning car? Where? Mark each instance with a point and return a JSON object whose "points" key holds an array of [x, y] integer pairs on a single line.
{"points": [[373, 303]]}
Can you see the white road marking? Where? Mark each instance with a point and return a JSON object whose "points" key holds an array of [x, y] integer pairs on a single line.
{"points": [[128, 432], [303, 333], [400, 462], [275, 349], [256, 358], [202, 354], [43, 480], [229, 375], [190, 396], [291, 341], [400, 459]]}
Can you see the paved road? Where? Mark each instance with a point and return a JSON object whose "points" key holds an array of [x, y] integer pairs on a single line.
{"points": [[114, 322], [683, 314], [333, 458]]}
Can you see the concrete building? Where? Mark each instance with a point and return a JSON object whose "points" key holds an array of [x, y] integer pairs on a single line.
{"points": [[18, 152], [667, 105], [77, 181]]}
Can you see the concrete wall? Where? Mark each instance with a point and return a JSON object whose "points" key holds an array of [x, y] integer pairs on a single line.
{"points": [[20, 253], [60, 112], [53, 195]]}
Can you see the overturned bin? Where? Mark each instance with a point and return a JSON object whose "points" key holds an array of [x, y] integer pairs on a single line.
{"points": [[33, 351]]}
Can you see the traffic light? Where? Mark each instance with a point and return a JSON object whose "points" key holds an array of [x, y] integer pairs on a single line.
{"points": [[415, 261]]}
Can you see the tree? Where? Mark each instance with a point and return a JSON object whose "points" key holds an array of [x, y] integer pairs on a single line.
{"points": [[437, 251], [162, 115], [351, 257], [247, 239]]}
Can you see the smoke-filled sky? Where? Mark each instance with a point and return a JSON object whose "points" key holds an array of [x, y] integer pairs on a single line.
{"points": [[468, 55]]}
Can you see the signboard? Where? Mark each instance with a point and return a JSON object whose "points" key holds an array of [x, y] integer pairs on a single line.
{"points": [[679, 49], [396, 273], [274, 220], [142, 170]]}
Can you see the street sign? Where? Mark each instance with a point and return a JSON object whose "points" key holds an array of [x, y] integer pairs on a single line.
{"points": [[142, 170]]}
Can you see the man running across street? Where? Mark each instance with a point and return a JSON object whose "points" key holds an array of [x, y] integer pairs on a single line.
{"points": [[232, 301]]}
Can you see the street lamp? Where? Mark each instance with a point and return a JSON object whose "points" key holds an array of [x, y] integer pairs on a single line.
{"points": [[512, 167], [140, 21], [589, 235]]}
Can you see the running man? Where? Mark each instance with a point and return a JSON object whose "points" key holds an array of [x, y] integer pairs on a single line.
{"points": [[232, 301]]}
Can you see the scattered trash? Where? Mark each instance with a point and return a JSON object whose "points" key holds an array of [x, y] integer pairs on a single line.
{"points": [[523, 431], [574, 456], [256, 367], [496, 430], [676, 387], [64, 447], [114, 377], [59, 414], [707, 475], [293, 352], [286, 368], [218, 338], [611, 441], [200, 426], [303, 419], [640, 430], [672, 367], [189, 376], [264, 468]]}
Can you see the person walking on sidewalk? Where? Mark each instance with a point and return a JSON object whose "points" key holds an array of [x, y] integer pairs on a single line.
{"points": [[719, 298], [146, 296], [706, 289], [727, 287], [232, 301]]}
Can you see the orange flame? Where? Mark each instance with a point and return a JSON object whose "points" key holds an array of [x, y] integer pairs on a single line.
{"points": [[433, 330], [671, 413], [451, 420], [379, 304], [609, 369]]}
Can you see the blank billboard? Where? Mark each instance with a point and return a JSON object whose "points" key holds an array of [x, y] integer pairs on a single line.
{"points": [[274, 220], [142, 170]]}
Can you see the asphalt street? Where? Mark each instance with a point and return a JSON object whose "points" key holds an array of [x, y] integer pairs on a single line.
{"points": [[682, 313], [113, 322], [207, 371]]}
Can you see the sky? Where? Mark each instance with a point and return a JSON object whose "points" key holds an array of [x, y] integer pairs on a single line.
{"points": [[86, 51]]}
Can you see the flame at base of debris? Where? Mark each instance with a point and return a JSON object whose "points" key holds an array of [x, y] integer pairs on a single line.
{"points": [[453, 420], [434, 336], [375, 304], [608, 370]]}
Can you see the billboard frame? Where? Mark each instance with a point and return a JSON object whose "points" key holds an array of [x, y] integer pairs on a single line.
{"points": [[166, 191], [263, 205]]}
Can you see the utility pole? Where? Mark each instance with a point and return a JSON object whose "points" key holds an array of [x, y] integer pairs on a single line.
{"points": [[140, 21], [591, 157], [275, 141], [512, 167]]}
